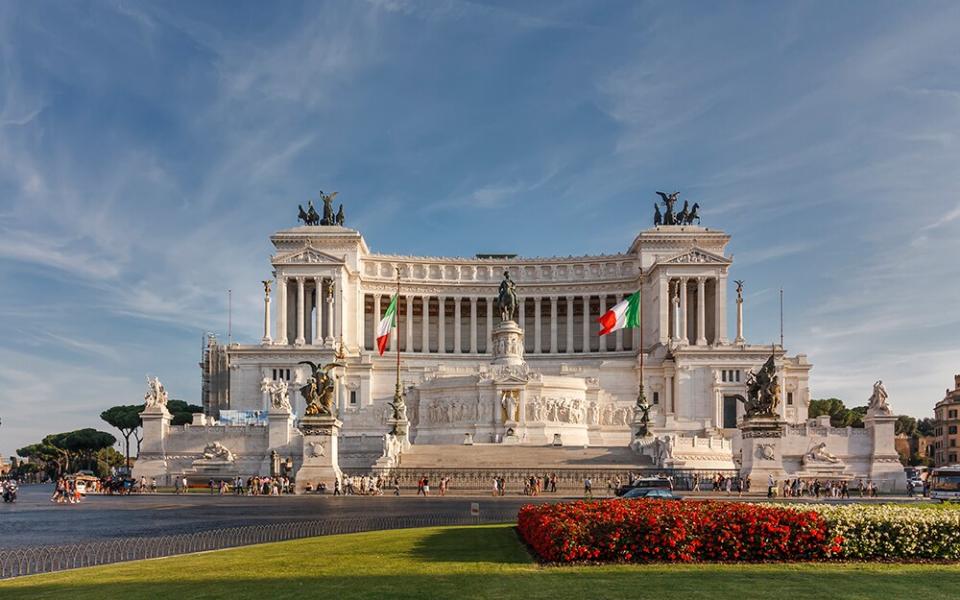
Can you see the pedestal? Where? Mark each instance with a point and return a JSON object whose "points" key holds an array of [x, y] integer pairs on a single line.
{"points": [[401, 429], [507, 340], [762, 450], [152, 459], [885, 467], [320, 464]]}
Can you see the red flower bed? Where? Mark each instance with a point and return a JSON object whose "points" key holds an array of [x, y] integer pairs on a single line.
{"points": [[670, 531]]}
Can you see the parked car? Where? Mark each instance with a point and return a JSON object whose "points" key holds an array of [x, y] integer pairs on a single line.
{"points": [[650, 494], [645, 483]]}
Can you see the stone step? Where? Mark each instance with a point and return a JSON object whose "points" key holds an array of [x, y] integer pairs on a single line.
{"points": [[518, 456]]}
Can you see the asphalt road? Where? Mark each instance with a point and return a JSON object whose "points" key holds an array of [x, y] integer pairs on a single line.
{"points": [[35, 521]]}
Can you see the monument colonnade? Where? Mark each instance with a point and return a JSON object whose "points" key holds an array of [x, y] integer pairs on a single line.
{"points": [[559, 323]]}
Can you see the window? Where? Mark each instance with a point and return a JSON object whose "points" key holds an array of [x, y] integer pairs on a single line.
{"points": [[952, 414], [656, 397], [952, 429], [789, 398], [353, 397], [953, 443], [723, 375], [953, 458], [738, 375]]}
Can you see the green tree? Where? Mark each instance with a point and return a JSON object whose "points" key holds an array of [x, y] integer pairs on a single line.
{"points": [[182, 412], [126, 418], [840, 415], [926, 426], [43, 456], [906, 425]]}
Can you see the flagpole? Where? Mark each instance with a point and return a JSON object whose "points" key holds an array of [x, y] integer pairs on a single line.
{"points": [[396, 393]]}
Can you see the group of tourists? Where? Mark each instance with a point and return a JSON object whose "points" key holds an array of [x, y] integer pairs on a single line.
{"points": [[365, 485], [534, 485], [66, 492]]}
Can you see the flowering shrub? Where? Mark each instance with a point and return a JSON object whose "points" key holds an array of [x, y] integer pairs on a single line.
{"points": [[664, 530], [892, 531]]}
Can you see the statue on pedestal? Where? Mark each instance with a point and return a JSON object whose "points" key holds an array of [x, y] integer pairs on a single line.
{"points": [[763, 391], [318, 391], [507, 299], [878, 400], [641, 414], [156, 394]]}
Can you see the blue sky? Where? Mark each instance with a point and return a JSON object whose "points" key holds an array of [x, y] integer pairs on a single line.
{"points": [[147, 151]]}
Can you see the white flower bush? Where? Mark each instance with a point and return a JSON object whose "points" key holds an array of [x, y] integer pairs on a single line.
{"points": [[892, 531]]}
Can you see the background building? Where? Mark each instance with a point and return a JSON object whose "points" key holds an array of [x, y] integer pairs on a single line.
{"points": [[947, 413]]}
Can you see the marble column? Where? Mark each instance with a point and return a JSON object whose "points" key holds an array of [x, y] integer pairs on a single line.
{"points": [[536, 324], [473, 325], [376, 318], [266, 313], [720, 310], [585, 343], [318, 317], [442, 331], [569, 348], [684, 336], [665, 331], [425, 323], [740, 338], [521, 310], [300, 340], [553, 324], [409, 344], [619, 333], [668, 392], [331, 290], [282, 310], [489, 303], [457, 326], [677, 317], [603, 309], [701, 311]]}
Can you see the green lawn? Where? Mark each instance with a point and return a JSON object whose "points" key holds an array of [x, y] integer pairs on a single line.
{"points": [[465, 563]]}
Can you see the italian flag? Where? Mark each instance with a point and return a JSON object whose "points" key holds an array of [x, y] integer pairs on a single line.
{"points": [[387, 323], [625, 314]]}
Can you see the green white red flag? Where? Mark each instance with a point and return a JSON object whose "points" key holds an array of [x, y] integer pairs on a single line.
{"points": [[625, 314], [387, 323]]}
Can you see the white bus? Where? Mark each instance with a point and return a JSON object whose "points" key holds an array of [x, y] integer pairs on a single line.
{"points": [[945, 484]]}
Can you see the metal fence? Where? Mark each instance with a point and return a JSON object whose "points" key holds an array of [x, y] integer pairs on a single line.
{"points": [[17, 562]]}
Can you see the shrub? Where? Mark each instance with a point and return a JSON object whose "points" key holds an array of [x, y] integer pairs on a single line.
{"points": [[670, 531], [890, 531]]}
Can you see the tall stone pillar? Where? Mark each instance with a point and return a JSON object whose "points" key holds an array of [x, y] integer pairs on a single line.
{"points": [[553, 324], [885, 467], [266, 313], [457, 326], [603, 309], [684, 335], [619, 333], [537, 302], [720, 308], [473, 325], [701, 311], [665, 328], [521, 310], [300, 339], [376, 317], [677, 317], [282, 310], [489, 303], [763, 446], [586, 324], [442, 317], [740, 339], [409, 323], [425, 323], [331, 328], [569, 348], [318, 316]]}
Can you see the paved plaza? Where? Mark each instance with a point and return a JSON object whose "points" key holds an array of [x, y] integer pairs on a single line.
{"points": [[35, 521]]}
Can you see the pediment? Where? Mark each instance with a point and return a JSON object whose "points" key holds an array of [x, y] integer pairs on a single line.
{"points": [[696, 256], [306, 256]]}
